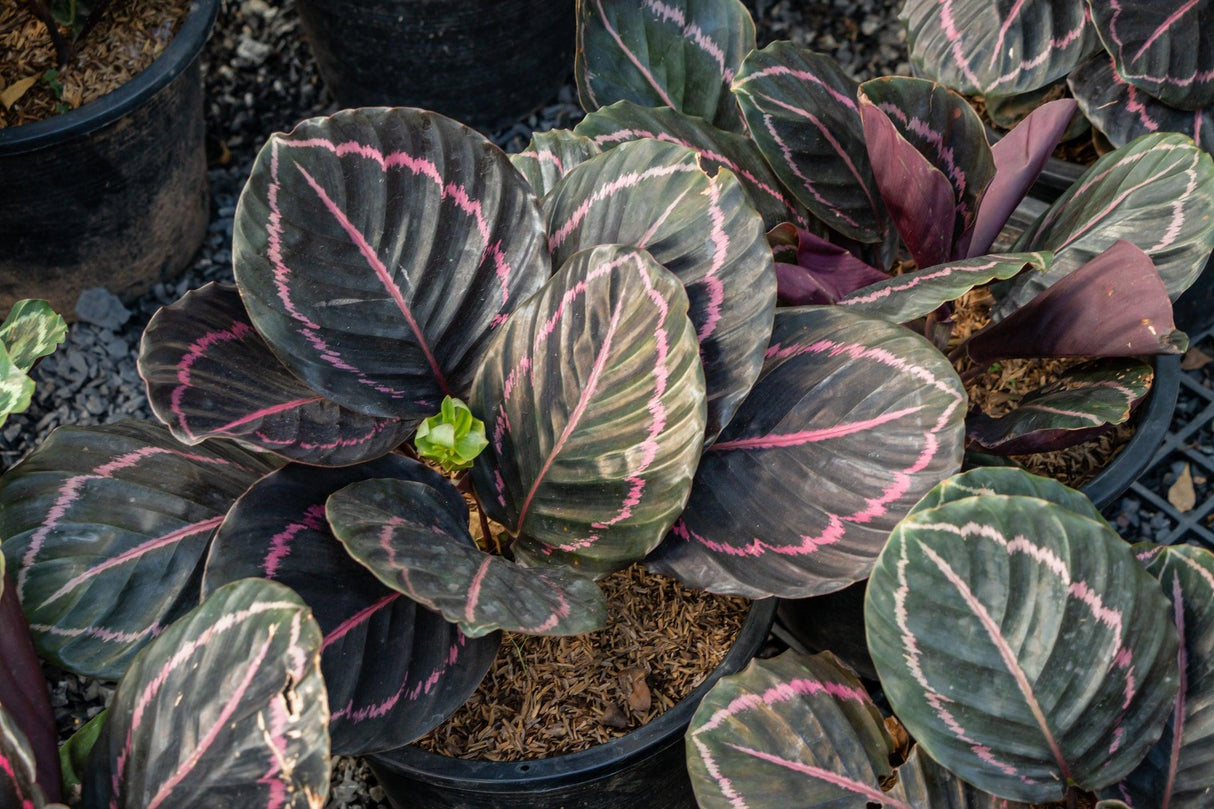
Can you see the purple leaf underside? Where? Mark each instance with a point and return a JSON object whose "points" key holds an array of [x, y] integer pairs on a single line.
{"points": [[812, 271]]}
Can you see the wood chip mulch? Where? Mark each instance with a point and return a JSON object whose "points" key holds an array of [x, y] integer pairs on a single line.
{"points": [[545, 696], [131, 35]]}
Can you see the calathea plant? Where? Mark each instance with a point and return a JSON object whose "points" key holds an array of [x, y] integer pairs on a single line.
{"points": [[1135, 66], [387, 259]]}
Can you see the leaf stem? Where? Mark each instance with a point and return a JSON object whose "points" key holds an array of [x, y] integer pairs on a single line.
{"points": [[63, 49]]}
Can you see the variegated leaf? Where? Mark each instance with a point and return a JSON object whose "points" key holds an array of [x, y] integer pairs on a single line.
{"points": [[18, 784], [377, 249], [210, 375], [1178, 773], [804, 117], [31, 331], [16, 387], [793, 730], [976, 611], [655, 196], [852, 421], [624, 121], [225, 708], [914, 294], [681, 54], [105, 529], [1124, 112], [924, 784], [593, 401], [997, 47], [1167, 49], [1006, 480], [1085, 402], [409, 538], [1156, 191], [550, 156], [393, 669]]}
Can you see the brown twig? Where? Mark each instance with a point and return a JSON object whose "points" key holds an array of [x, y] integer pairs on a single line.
{"points": [[64, 50]]}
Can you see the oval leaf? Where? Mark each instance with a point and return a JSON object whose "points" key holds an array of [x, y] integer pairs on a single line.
{"points": [[853, 420], [803, 115], [73, 757], [624, 121], [18, 787], [992, 480], [211, 375], [1031, 588], [663, 53], [550, 156], [592, 396], [655, 196], [998, 48], [31, 331], [1167, 49], [105, 528], [375, 251], [924, 784], [407, 536], [791, 731], [393, 669], [239, 678], [1157, 192], [1178, 773]]}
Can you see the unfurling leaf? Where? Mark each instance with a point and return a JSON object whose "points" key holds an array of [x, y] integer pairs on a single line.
{"points": [[453, 438]]}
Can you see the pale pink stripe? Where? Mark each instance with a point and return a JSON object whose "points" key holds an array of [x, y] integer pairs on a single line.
{"points": [[851, 785], [811, 436], [360, 617]]}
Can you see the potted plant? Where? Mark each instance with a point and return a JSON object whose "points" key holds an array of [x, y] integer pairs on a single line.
{"points": [[112, 193]]}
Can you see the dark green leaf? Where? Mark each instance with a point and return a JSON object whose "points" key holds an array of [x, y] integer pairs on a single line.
{"points": [[550, 156], [991, 480], [924, 784], [73, 757]]}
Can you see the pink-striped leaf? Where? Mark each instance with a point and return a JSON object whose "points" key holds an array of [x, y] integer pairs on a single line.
{"points": [[1115, 305], [393, 669], [1085, 402], [105, 528], [811, 271], [1157, 192], [804, 117], [1178, 773], [24, 695], [997, 47], [924, 784], [1007, 480], [930, 159], [377, 249], [18, 783], [655, 196], [1123, 112], [674, 53], [593, 403], [976, 613], [550, 156], [624, 121], [793, 730], [1164, 48], [853, 420], [226, 708], [211, 375], [912, 295], [405, 534]]}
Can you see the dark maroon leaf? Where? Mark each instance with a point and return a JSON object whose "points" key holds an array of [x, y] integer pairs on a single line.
{"points": [[377, 249], [1165, 48], [24, 695], [1124, 112], [226, 708], [105, 528], [624, 121], [803, 115], [392, 669], [815, 271], [18, 789], [1113, 306], [1019, 157], [409, 538], [655, 196], [852, 421], [209, 374], [591, 396], [944, 130], [1080, 406]]}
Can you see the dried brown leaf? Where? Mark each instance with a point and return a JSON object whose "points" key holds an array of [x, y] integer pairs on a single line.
{"points": [[12, 94], [1181, 494], [1194, 358], [613, 716]]}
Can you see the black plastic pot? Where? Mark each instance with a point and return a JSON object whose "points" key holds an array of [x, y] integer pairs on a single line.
{"points": [[482, 62], [643, 768], [113, 193]]}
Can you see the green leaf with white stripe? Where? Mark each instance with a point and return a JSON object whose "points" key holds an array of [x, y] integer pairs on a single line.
{"points": [[682, 54], [1021, 644]]}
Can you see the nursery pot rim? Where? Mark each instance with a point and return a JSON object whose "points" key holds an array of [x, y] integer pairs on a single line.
{"points": [[182, 50], [584, 765]]}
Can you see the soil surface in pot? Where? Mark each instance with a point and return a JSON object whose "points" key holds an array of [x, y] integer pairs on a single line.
{"points": [[128, 38], [545, 696]]}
